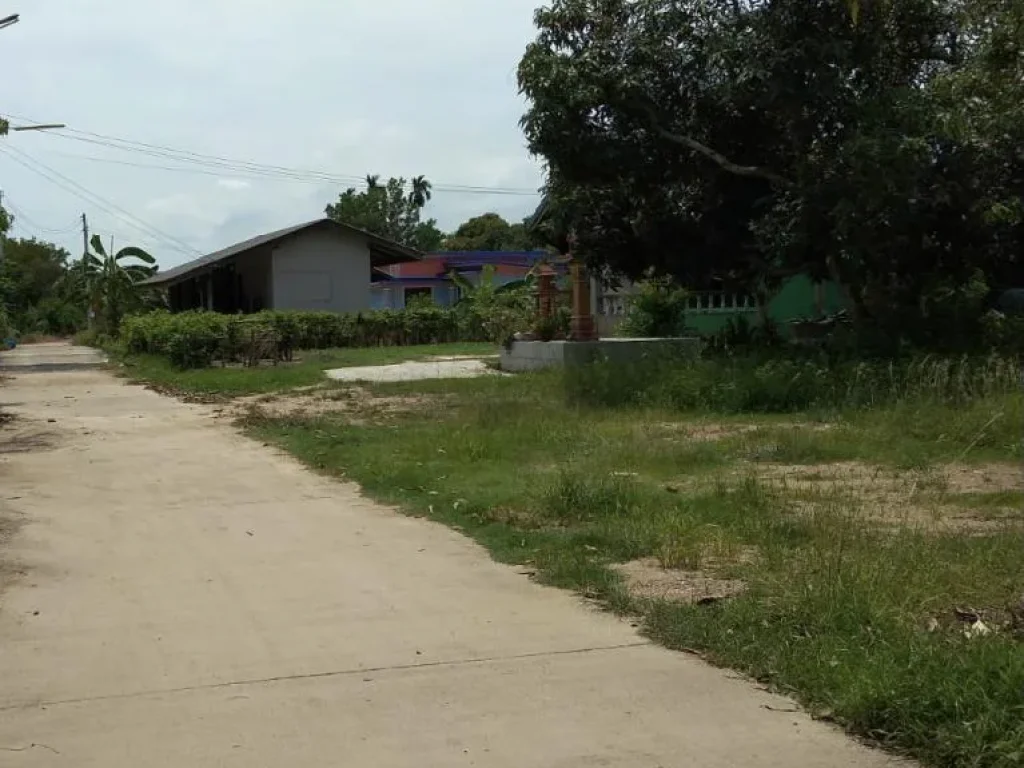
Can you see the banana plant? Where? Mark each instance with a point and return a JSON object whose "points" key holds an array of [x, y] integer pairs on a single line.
{"points": [[487, 287], [110, 281]]}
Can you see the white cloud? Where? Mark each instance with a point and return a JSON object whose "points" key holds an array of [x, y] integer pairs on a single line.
{"points": [[397, 87], [234, 184]]}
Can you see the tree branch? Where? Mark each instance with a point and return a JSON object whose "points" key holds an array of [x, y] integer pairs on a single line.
{"points": [[749, 171]]}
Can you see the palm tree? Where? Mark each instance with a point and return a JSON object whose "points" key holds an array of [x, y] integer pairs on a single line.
{"points": [[110, 281], [420, 194]]}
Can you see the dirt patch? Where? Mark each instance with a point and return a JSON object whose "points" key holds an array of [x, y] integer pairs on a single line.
{"points": [[515, 517], [357, 404], [714, 431], [986, 478], [19, 436], [185, 396], [974, 623], [913, 498], [647, 580]]}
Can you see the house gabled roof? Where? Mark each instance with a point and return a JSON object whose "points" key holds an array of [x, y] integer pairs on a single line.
{"points": [[382, 251]]}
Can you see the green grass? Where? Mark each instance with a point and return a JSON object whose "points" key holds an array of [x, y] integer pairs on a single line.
{"points": [[306, 370], [854, 619]]}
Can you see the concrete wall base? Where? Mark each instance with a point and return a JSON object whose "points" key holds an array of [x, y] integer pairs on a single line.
{"points": [[537, 355]]}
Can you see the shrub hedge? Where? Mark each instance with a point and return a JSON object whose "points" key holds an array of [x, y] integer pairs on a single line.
{"points": [[196, 339]]}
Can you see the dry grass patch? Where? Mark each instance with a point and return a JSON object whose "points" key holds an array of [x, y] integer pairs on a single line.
{"points": [[985, 478], [519, 518], [930, 499], [646, 579], [356, 404], [714, 431]]}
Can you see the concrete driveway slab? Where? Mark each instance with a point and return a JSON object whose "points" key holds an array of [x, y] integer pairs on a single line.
{"points": [[414, 371]]}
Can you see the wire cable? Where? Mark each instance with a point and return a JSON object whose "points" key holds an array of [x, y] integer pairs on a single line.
{"points": [[234, 172], [69, 185], [275, 171], [105, 204], [17, 224], [19, 214]]}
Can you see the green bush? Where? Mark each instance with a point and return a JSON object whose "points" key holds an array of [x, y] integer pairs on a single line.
{"points": [[87, 338], [6, 329], [658, 310], [196, 339], [1004, 331]]}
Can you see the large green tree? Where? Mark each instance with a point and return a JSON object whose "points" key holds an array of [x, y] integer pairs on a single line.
{"points": [[489, 232], [739, 141], [31, 271], [392, 210]]}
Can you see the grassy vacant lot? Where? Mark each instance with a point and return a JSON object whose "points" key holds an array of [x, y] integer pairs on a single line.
{"points": [[307, 369], [865, 554]]}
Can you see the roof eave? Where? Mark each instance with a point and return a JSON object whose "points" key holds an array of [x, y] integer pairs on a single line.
{"points": [[156, 281], [384, 253]]}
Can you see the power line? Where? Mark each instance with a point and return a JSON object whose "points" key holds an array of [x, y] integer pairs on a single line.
{"points": [[236, 172], [69, 185], [18, 224], [20, 214], [185, 156], [267, 171], [128, 163], [276, 171], [224, 165]]}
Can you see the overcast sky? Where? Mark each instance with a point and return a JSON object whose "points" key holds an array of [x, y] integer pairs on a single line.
{"points": [[343, 87]]}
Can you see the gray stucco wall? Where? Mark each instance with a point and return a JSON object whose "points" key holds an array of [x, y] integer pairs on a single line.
{"points": [[257, 291], [322, 270]]}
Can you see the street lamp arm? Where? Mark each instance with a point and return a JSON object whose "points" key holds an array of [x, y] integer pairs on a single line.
{"points": [[7, 21], [44, 127]]}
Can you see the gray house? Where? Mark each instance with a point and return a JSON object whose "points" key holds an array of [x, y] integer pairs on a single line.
{"points": [[319, 265]]}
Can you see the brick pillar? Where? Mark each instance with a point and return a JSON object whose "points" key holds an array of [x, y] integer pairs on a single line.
{"points": [[546, 292], [582, 327]]}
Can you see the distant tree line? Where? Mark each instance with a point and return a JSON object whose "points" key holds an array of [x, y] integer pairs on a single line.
{"points": [[393, 209], [44, 292]]}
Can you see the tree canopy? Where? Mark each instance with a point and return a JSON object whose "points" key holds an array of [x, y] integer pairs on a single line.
{"points": [[489, 232], [30, 275], [392, 210], [873, 142]]}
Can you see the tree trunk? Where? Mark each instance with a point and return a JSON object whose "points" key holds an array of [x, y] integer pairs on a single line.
{"points": [[853, 303]]}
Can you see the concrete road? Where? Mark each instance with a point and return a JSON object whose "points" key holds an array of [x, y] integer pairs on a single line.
{"points": [[188, 597], [50, 356]]}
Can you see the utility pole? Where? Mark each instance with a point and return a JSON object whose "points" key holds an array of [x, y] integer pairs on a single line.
{"points": [[85, 246], [85, 270], [85, 236]]}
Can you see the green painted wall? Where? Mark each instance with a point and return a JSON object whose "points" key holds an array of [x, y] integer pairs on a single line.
{"points": [[795, 300]]}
